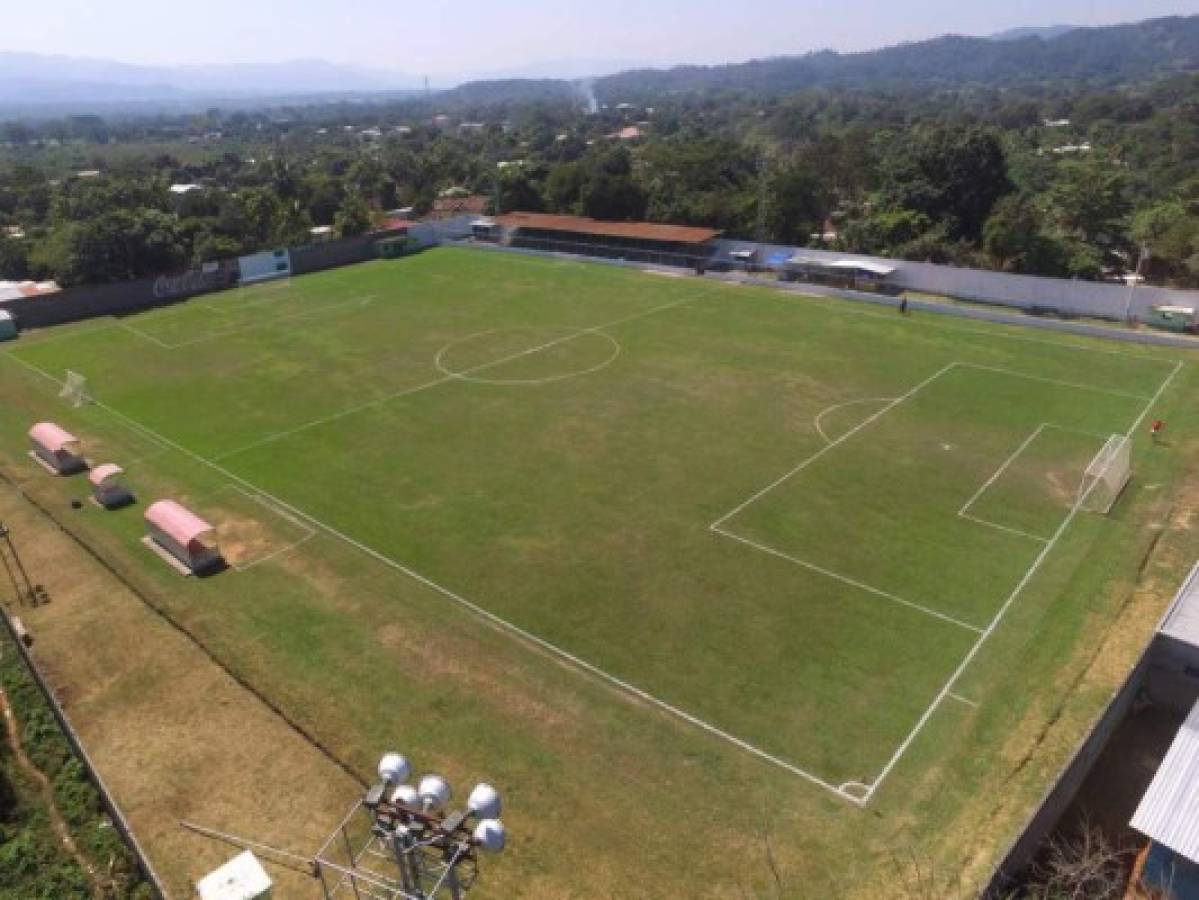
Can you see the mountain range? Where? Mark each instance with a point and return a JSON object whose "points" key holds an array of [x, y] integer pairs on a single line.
{"points": [[1108, 55]]}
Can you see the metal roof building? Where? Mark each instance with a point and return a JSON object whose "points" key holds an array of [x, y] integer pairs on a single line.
{"points": [[1169, 811]]}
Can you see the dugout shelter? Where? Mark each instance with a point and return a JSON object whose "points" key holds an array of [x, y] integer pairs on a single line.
{"points": [[56, 448], [108, 486], [187, 538]]}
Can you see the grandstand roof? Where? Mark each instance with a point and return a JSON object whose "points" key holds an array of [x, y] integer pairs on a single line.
{"points": [[647, 231]]}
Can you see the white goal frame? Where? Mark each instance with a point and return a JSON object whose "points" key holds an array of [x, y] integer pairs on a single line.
{"points": [[74, 389], [1107, 475]]}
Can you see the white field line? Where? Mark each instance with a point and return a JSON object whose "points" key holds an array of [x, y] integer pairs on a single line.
{"points": [[250, 326], [840, 306], [786, 476], [928, 611], [34, 339], [310, 532], [159, 446], [1070, 384], [1002, 468], [486, 615], [999, 616], [960, 699], [836, 406], [963, 512], [456, 376], [439, 363], [1008, 528]]}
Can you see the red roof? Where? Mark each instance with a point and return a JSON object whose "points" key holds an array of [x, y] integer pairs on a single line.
{"points": [[181, 524], [648, 231]]}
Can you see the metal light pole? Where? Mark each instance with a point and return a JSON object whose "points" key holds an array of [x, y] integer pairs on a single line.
{"points": [[1132, 283], [430, 852]]}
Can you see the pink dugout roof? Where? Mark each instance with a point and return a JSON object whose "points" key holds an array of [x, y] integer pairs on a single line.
{"points": [[182, 525], [100, 474], [51, 436]]}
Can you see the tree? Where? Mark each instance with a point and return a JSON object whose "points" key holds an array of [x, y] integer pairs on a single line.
{"points": [[613, 197], [796, 205], [1014, 238], [14, 259], [121, 245], [353, 218], [564, 187], [884, 232], [953, 175], [1171, 233]]}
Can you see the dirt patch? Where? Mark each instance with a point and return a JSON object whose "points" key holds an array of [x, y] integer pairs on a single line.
{"points": [[243, 540]]}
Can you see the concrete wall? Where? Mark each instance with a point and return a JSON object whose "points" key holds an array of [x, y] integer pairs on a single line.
{"points": [[1060, 295], [1053, 805], [90, 301]]}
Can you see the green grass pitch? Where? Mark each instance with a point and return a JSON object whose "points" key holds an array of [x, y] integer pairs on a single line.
{"points": [[796, 529]]}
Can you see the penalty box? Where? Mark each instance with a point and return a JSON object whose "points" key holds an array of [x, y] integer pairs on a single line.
{"points": [[942, 500]]}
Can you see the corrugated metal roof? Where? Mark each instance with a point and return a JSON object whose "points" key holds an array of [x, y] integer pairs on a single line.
{"points": [[1169, 811], [651, 231], [1181, 621]]}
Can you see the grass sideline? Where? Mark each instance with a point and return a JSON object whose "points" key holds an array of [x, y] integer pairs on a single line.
{"points": [[567, 490]]}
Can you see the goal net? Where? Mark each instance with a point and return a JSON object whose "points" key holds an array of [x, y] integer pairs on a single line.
{"points": [[74, 389], [1107, 475]]}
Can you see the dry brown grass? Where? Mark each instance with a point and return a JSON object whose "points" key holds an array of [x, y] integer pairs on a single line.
{"points": [[174, 736]]}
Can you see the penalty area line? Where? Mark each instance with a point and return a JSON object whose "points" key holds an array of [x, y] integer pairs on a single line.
{"points": [[1007, 604]]}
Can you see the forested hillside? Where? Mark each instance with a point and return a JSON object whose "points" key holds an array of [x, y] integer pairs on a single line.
{"points": [[1099, 56], [1058, 177]]}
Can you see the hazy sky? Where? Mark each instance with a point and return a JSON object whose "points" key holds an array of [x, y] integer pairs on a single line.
{"points": [[439, 38]]}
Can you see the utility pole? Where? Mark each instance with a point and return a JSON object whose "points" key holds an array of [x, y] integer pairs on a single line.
{"points": [[1132, 283], [763, 190], [22, 586]]}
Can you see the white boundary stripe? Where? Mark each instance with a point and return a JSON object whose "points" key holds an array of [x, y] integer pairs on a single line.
{"points": [[857, 798], [249, 326], [836, 406], [439, 362], [960, 699], [1002, 468], [999, 616], [487, 616], [999, 527], [928, 611], [457, 376], [786, 476], [1070, 384], [310, 532], [841, 306]]}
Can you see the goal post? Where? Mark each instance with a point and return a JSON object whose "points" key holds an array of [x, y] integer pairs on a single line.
{"points": [[1107, 475], [74, 389]]}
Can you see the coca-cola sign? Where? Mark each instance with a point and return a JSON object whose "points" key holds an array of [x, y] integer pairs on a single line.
{"points": [[194, 281]]}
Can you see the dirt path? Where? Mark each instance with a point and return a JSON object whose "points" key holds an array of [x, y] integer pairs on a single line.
{"points": [[57, 822]]}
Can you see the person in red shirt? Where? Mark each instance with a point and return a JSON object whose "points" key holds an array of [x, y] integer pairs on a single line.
{"points": [[1156, 428]]}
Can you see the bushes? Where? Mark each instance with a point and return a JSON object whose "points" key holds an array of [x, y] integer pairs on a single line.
{"points": [[32, 865]]}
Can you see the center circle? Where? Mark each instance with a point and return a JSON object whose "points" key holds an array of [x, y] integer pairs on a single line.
{"points": [[527, 355]]}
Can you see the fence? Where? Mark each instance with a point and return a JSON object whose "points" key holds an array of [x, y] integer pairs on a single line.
{"points": [[1028, 292], [110, 805], [90, 301]]}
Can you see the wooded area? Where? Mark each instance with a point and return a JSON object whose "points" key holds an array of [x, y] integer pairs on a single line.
{"points": [[1062, 158]]}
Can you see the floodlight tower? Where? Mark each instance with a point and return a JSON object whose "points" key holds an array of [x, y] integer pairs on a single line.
{"points": [[431, 851]]}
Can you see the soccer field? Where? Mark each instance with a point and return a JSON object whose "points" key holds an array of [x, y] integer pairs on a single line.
{"points": [[791, 526]]}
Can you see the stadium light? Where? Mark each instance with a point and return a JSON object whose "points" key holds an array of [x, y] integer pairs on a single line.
{"points": [[435, 848]]}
